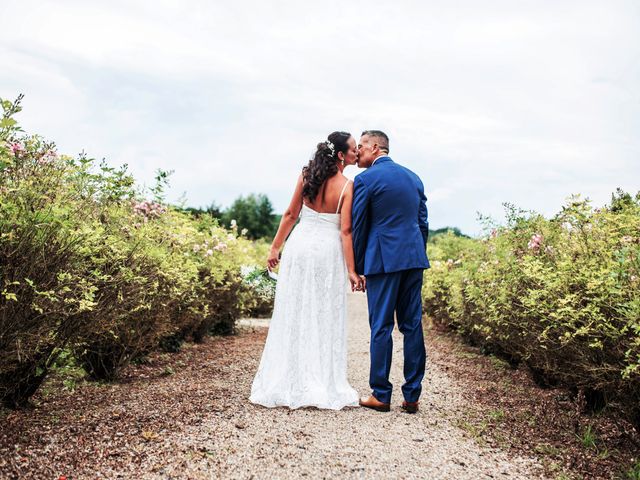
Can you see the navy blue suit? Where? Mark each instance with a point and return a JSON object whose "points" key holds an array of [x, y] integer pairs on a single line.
{"points": [[390, 229]]}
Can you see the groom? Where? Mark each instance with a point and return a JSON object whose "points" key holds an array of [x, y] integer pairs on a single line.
{"points": [[390, 231]]}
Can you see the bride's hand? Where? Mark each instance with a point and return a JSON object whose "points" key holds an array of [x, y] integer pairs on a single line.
{"points": [[273, 259], [356, 282]]}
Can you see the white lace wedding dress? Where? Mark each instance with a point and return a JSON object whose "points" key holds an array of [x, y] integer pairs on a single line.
{"points": [[304, 361]]}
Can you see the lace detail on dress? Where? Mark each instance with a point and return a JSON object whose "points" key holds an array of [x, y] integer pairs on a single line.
{"points": [[304, 361]]}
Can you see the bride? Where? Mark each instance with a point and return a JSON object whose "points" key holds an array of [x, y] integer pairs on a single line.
{"points": [[304, 361]]}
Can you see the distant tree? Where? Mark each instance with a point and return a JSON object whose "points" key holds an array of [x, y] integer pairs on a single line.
{"points": [[213, 210], [255, 213], [620, 200], [440, 231]]}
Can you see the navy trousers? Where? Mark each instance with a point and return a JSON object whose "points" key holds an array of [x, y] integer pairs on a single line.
{"points": [[398, 292]]}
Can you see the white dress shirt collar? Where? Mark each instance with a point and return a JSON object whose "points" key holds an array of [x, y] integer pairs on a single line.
{"points": [[383, 155]]}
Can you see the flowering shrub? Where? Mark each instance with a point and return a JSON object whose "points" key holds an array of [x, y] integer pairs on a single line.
{"points": [[561, 295], [88, 265]]}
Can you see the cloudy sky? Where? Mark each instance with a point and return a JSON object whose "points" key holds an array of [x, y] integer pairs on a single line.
{"points": [[489, 102]]}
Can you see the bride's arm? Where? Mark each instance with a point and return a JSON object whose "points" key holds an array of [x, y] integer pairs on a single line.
{"points": [[288, 220], [347, 238]]}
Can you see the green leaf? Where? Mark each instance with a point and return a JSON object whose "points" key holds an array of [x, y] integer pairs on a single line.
{"points": [[7, 122]]}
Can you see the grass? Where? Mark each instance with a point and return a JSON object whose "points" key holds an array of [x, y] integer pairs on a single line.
{"points": [[499, 363], [476, 431], [562, 476], [588, 438], [464, 354], [548, 449], [496, 415], [634, 472]]}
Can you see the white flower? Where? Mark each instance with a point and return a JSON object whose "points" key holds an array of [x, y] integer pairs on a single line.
{"points": [[209, 253], [331, 147], [246, 270]]}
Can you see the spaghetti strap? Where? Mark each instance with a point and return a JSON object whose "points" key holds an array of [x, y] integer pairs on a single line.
{"points": [[342, 193]]}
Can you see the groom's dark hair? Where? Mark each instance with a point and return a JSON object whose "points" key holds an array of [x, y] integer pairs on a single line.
{"points": [[383, 140]]}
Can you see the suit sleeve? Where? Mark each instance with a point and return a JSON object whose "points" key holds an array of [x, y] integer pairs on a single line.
{"points": [[423, 215], [360, 222]]}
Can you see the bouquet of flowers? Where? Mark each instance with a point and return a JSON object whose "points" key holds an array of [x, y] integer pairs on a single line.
{"points": [[261, 281]]}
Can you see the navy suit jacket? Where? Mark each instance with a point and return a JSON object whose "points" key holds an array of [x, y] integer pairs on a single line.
{"points": [[390, 225]]}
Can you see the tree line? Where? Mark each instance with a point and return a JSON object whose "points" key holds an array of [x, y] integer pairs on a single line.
{"points": [[254, 213]]}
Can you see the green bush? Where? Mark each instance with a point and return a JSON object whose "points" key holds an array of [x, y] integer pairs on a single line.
{"points": [[44, 294], [561, 295], [87, 265]]}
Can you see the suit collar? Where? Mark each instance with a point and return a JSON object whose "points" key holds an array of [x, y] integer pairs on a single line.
{"points": [[383, 159]]}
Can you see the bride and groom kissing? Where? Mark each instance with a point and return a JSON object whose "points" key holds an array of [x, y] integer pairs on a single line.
{"points": [[373, 232]]}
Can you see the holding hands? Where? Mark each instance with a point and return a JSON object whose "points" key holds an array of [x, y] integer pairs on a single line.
{"points": [[358, 283]]}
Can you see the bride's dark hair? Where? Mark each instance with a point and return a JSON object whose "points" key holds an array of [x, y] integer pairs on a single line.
{"points": [[323, 164]]}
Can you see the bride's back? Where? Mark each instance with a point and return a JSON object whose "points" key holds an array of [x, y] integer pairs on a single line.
{"points": [[328, 196]]}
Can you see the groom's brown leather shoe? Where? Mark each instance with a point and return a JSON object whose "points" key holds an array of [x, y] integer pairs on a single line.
{"points": [[374, 404], [410, 407]]}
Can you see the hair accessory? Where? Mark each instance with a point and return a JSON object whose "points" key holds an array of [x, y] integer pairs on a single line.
{"points": [[331, 147]]}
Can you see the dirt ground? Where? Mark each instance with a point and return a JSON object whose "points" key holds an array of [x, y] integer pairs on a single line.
{"points": [[186, 415]]}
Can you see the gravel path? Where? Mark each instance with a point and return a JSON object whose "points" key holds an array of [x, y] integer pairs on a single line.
{"points": [[355, 442], [187, 415]]}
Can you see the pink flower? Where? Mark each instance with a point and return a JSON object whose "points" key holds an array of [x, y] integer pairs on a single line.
{"points": [[17, 148], [221, 247], [48, 157], [149, 209], [535, 242]]}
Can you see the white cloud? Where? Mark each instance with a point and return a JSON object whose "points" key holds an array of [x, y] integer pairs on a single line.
{"points": [[492, 102]]}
